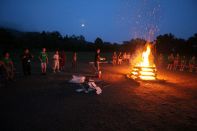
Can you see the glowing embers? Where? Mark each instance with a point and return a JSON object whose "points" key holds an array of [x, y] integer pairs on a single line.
{"points": [[143, 73]]}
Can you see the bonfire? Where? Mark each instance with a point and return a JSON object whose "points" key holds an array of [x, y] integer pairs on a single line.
{"points": [[144, 68]]}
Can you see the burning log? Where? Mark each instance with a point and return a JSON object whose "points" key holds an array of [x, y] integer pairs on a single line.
{"points": [[144, 69], [143, 73]]}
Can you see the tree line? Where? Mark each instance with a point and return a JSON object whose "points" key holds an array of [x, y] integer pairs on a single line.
{"points": [[167, 43]]}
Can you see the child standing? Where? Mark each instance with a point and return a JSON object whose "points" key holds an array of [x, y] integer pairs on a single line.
{"points": [[44, 61], [9, 66], [56, 63]]}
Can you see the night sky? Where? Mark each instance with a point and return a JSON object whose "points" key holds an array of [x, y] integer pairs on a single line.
{"points": [[112, 20]]}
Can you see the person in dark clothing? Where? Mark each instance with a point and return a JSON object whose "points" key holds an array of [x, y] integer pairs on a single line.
{"points": [[97, 59], [26, 62]]}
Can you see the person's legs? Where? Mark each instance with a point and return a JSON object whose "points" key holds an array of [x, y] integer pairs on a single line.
{"points": [[10, 73], [168, 66], [98, 66], [58, 66], [45, 67]]}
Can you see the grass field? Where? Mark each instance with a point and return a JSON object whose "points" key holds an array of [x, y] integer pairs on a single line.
{"points": [[50, 103]]}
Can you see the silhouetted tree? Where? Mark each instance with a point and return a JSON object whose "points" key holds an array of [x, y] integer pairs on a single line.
{"points": [[98, 42]]}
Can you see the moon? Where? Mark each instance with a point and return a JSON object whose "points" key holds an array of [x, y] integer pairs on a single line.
{"points": [[82, 25]]}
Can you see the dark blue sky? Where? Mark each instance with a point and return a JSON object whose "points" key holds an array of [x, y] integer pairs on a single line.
{"points": [[112, 20]]}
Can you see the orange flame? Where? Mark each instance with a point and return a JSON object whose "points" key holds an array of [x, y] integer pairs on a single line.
{"points": [[146, 71]]}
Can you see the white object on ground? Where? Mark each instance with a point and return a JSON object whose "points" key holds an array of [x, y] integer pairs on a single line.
{"points": [[94, 86], [81, 79], [77, 79]]}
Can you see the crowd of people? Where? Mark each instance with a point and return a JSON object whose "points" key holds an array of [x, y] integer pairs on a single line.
{"points": [[7, 69], [177, 62], [118, 59]]}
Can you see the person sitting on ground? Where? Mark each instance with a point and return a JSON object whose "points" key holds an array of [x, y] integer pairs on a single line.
{"points": [[183, 63], [176, 62], [192, 63], [62, 60], [8, 66], [74, 61], [44, 61], [56, 63], [120, 58], [26, 62], [170, 61], [114, 58]]}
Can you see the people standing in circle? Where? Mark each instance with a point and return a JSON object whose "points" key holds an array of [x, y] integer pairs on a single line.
{"points": [[26, 62], [44, 61], [56, 63]]}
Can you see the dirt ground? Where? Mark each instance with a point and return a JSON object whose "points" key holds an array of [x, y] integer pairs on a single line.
{"points": [[50, 103]]}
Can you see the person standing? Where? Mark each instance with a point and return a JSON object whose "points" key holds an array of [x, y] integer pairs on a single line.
{"points": [[176, 62], [44, 61], [120, 58], [62, 60], [160, 60], [56, 62], [192, 63], [114, 58], [97, 60], [9, 66], [183, 63], [26, 62], [170, 61]]}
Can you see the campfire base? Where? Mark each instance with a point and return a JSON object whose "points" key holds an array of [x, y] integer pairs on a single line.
{"points": [[143, 73]]}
